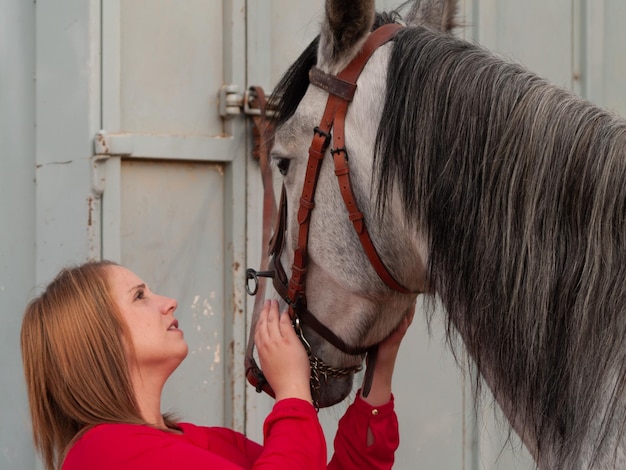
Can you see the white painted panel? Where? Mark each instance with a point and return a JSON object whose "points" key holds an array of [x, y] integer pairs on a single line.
{"points": [[171, 66], [428, 387], [17, 222], [535, 32], [174, 195], [615, 54], [294, 25], [172, 238], [67, 117]]}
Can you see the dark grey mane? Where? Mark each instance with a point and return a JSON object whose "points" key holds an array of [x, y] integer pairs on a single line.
{"points": [[521, 188]]}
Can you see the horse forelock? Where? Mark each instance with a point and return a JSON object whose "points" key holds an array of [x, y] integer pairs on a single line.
{"points": [[521, 187]]}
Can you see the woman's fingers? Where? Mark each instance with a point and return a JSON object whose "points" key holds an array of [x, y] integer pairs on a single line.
{"points": [[272, 319], [286, 328], [267, 327], [283, 358], [261, 328]]}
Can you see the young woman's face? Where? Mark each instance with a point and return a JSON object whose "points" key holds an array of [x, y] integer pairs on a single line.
{"points": [[157, 340]]}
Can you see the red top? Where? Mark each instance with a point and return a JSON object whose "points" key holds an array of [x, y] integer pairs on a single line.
{"points": [[292, 434]]}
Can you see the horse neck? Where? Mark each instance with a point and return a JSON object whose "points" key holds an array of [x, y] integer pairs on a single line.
{"points": [[522, 189], [549, 454]]}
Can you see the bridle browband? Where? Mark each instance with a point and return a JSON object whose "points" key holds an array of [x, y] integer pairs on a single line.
{"points": [[341, 89]]}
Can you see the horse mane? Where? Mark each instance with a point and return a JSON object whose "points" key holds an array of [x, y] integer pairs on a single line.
{"points": [[520, 187]]}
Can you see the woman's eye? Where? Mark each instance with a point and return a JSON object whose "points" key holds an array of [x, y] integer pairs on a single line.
{"points": [[283, 165], [140, 294]]}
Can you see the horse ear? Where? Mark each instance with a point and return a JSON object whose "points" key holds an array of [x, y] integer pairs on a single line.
{"points": [[346, 25], [437, 14]]}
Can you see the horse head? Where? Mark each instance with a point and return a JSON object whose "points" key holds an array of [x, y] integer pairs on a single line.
{"points": [[343, 290], [479, 182]]}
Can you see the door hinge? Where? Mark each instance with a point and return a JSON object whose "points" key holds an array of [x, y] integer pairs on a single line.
{"points": [[233, 102]]}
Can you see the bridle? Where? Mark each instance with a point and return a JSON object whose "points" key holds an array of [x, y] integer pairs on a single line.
{"points": [[341, 89]]}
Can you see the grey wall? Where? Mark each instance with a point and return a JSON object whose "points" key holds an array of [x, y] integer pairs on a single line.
{"points": [[17, 220]]}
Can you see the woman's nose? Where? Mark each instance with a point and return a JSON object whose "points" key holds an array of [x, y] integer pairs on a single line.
{"points": [[169, 305]]}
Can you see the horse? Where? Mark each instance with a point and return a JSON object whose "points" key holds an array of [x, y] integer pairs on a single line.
{"points": [[484, 188]]}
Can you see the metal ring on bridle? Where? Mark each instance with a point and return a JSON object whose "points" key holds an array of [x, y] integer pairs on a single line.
{"points": [[298, 329], [254, 275]]}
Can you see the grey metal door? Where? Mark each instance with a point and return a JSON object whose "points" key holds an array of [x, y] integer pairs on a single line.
{"points": [[173, 182]]}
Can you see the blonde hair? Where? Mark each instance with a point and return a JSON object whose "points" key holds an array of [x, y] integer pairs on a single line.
{"points": [[75, 365]]}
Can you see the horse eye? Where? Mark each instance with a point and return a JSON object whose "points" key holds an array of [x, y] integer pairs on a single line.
{"points": [[283, 165]]}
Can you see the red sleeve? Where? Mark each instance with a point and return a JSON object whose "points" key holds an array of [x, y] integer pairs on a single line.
{"points": [[131, 447], [293, 438], [351, 449]]}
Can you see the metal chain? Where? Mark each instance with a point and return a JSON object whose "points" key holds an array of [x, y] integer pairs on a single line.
{"points": [[319, 367]]}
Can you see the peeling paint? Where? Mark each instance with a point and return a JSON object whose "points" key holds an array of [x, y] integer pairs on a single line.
{"points": [[93, 227], [40, 165], [90, 211], [217, 354], [208, 309], [101, 141], [9, 454]]}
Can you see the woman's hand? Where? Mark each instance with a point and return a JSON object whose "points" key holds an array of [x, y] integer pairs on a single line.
{"points": [[283, 359], [386, 361], [388, 348]]}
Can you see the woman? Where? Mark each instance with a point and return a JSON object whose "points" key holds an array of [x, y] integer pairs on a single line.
{"points": [[98, 346]]}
